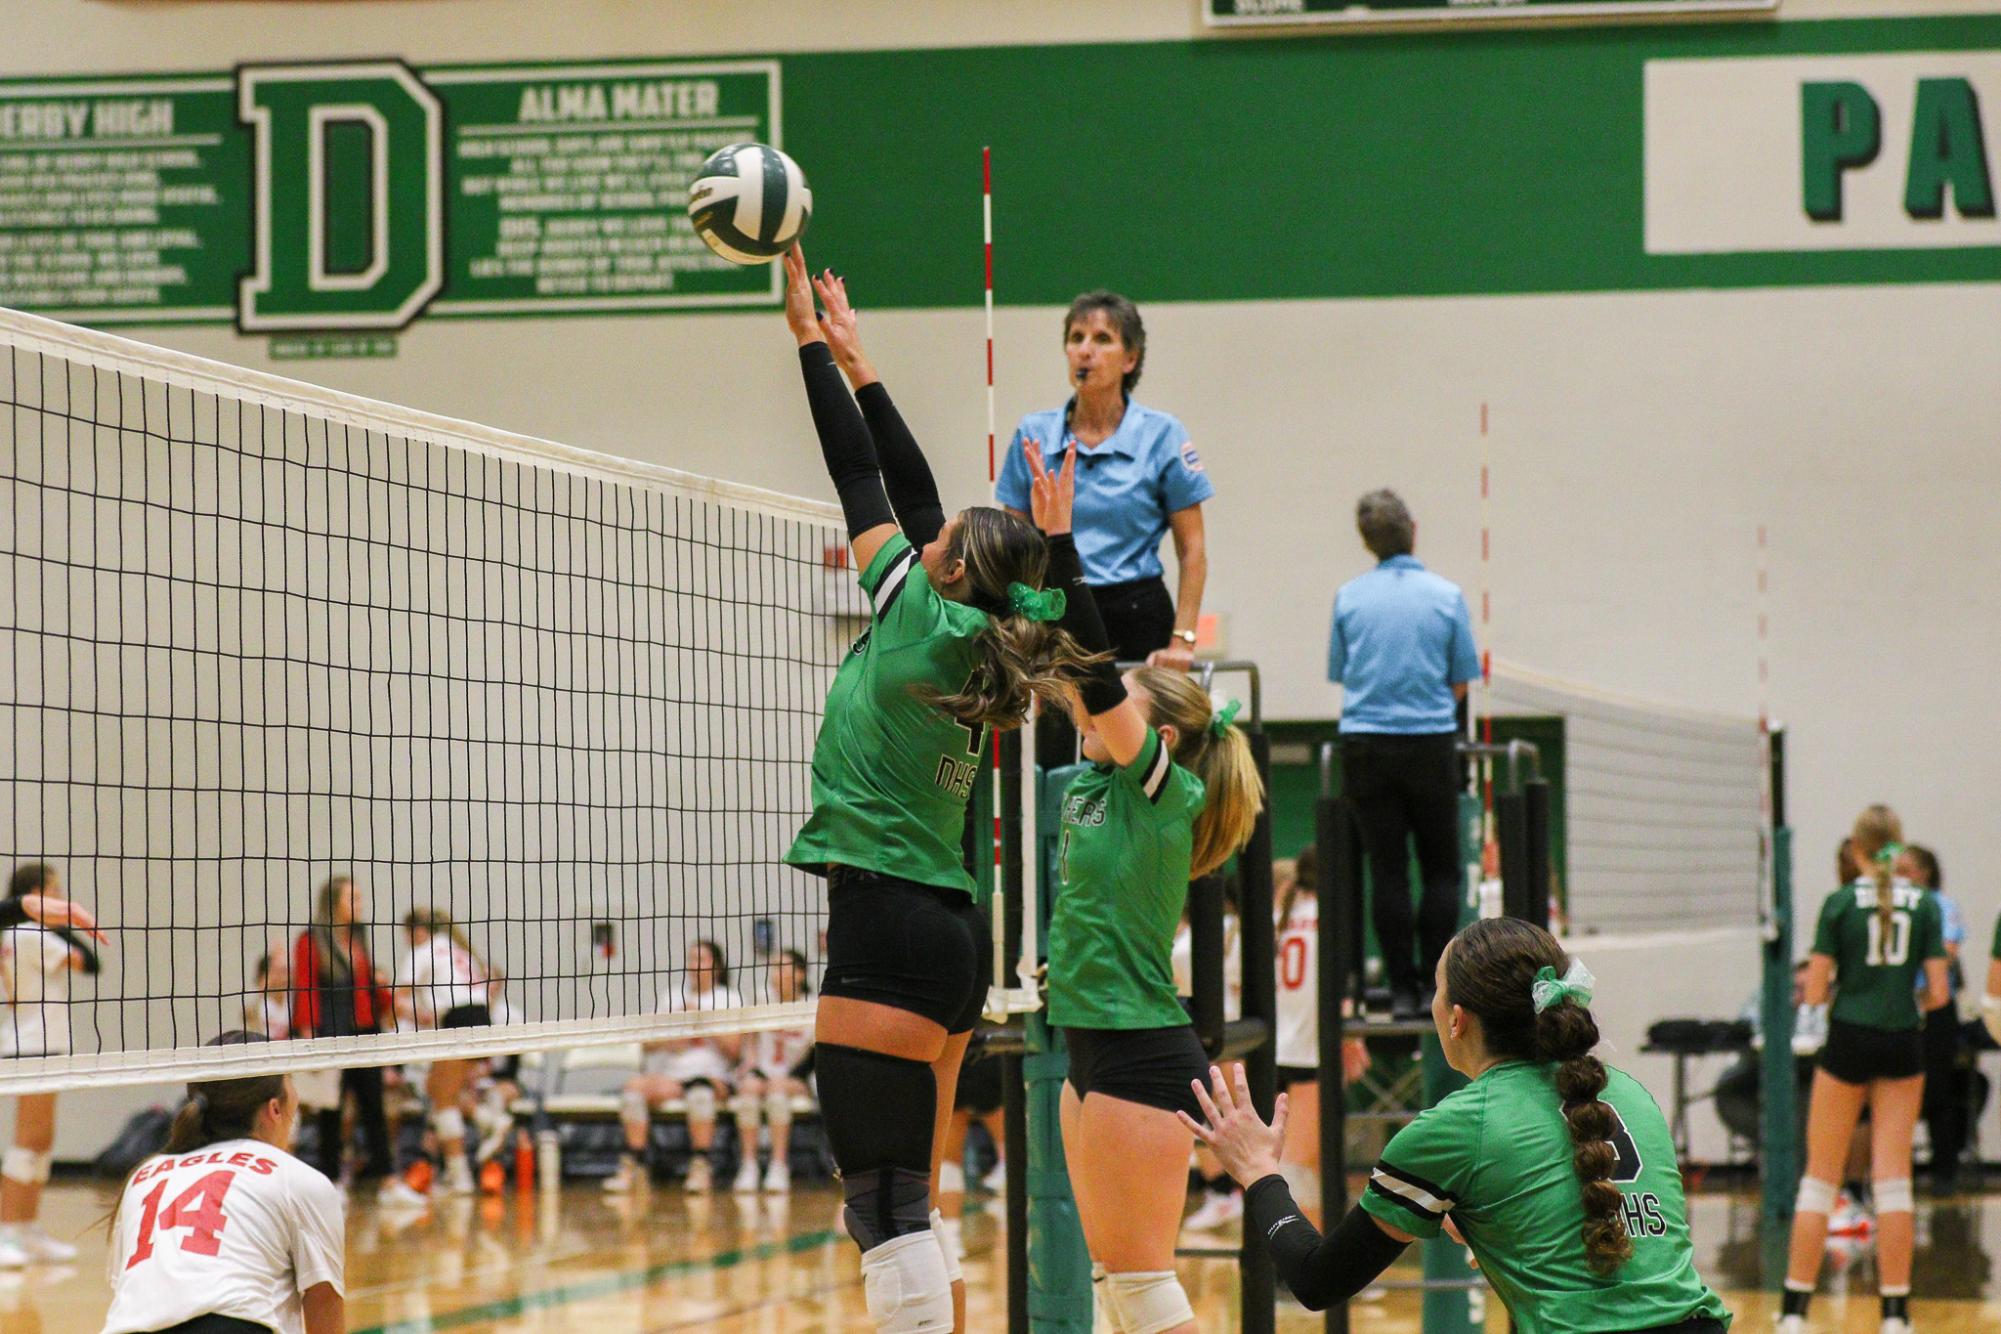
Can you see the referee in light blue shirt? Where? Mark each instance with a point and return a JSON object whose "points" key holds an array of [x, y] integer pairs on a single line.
{"points": [[1402, 652], [1139, 480]]}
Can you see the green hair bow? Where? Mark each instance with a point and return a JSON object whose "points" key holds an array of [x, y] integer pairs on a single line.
{"points": [[1225, 716], [1888, 852], [1037, 604], [1549, 989]]}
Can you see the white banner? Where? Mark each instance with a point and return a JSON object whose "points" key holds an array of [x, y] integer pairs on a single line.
{"points": [[1822, 153]]}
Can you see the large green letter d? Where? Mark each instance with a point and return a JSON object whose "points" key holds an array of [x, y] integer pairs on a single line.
{"points": [[350, 211]]}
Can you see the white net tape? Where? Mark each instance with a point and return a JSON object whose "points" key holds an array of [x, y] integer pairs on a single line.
{"points": [[258, 634], [1661, 807]]}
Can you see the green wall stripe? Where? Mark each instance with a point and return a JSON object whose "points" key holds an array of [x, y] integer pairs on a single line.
{"points": [[607, 1286], [1405, 165]]}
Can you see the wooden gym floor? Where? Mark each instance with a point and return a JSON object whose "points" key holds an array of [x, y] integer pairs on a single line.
{"points": [[586, 1264]]}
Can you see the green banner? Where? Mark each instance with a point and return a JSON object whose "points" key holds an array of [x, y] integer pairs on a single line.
{"points": [[1233, 13], [359, 195]]}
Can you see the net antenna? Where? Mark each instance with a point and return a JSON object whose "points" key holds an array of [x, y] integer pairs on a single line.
{"points": [[260, 635]]}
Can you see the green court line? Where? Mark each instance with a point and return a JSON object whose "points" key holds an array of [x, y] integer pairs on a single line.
{"points": [[602, 1287]]}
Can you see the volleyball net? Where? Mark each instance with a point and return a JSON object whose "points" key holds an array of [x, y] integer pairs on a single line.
{"points": [[260, 636], [1662, 807]]}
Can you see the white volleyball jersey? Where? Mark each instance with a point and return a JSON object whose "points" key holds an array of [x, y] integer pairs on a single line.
{"points": [[776, 1053], [1181, 958], [701, 1058], [35, 973], [237, 1229], [270, 1016], [1299, 984], [441, 977]]}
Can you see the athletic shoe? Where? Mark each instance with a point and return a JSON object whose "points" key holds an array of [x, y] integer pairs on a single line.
{"points": [[778, 1178], [1216, 1211], [458, 1177], [701, 1176], [1896, 1325], [1791, 1324], [12, 1254], [44, 1249], [746, 1178], [399, 1194], [1850, 1219], [996, 1180], [629, 1177]]}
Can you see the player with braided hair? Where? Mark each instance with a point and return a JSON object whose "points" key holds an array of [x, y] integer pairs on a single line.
{"points": [[1601, 1249]]}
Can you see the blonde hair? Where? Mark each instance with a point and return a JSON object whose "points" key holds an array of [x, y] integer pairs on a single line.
{"points": [[1875, 829], [1222, 761], [439, 923], [1018, 658]]}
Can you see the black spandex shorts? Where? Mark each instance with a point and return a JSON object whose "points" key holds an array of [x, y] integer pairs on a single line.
{"points": [[1289, 1075], [467, 1016], [1857, 1053], [1150, 1066], [216, 1324], [910, 946]]}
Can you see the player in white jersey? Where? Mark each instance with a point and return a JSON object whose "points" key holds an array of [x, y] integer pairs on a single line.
{"points": [[772, 1074], [268, 1013], [697, 1070], [225, 1232], [35, 966], [442, 983]]}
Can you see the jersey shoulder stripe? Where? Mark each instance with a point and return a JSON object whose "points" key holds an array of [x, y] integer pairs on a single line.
{"points": [[893, 580], [1411, 1191], [1155, 781]]}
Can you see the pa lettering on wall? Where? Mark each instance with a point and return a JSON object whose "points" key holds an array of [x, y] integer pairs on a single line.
{"points": [[1822, 153]]}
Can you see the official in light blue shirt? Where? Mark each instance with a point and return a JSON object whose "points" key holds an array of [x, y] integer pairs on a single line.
{"points": [[1402, 652], [1138, 480], [1402, 640]]}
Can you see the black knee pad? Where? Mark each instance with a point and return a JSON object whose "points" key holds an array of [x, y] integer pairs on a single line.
{"points": [[879, 1113]]}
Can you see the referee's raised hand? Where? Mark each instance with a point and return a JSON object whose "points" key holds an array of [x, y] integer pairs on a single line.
{"points": [[1244, 1144]]}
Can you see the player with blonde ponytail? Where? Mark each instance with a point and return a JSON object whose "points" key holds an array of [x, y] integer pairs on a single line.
{"points": [[1171, 792], [1600, 1249], [1878, 935]]}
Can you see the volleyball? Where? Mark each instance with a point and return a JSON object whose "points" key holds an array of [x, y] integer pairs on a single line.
{"points": [[749, 202]]}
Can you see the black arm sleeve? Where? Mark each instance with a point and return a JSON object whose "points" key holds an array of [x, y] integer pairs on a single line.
{"points": [[1102, 690], [12, 914], [81, 944], [1321, 1271], [844, 442], [905, 474]]}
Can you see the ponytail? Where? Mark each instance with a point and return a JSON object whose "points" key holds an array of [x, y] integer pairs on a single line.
{"points": [[1565, 1033], [1018, 658], [1877, 838], [1215, 751], [1493, 970], [216, 1110]]}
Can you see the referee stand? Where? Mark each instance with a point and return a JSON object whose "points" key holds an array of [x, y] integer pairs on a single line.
{"points": [[1454, 1295]]}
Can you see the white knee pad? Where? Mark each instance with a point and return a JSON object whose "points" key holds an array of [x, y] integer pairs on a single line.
{"points": [[778, 1107], [951, 1178], [1815, 1197], [749, 1110], [1147, 1302], [25, 1165], [1894, 1196], [905, 1285], [632, 1108], [449, 1122], [701, 1102], [948, 1246]]}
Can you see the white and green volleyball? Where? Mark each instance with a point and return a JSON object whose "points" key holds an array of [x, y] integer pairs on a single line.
{"points": [[749, 202]]}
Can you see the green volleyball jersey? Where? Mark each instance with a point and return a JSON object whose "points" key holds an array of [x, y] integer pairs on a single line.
{"points": [[1122, 870], [1876, 972], [1496, 1156], [891, 773]]}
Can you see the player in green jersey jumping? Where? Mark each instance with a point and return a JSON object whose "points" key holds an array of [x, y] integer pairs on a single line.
{"points": [[1171, 792], [1600, 1249], [960, 637], [1876, 936]]}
